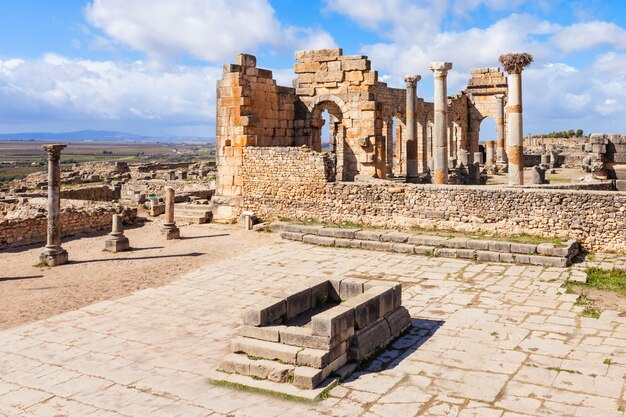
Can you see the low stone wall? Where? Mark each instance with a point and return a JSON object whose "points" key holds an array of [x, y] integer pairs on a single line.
{"points": [[99, 193], [21, 232], [597, 219], [157, 187]]}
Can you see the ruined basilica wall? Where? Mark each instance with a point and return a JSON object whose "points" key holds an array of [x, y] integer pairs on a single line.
{"points": [[27, 231], [596, 218]]}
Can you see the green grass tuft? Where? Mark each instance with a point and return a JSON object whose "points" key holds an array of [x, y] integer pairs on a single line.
{"points": [[612, 280]]}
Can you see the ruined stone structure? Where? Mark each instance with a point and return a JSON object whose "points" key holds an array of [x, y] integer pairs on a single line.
{"points": [[375, 130], [53, 254], [606, 158]]}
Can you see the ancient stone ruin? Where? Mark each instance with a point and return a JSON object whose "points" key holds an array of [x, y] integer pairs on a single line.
{"points": [[313, 332]]}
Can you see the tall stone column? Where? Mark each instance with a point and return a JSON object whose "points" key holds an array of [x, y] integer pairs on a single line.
{"points": [[500, 144], [440, 140], [490, 152], [514, 64], [411, 125], [53, 254], [169, 229]]}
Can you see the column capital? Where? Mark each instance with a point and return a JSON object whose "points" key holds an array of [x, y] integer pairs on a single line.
{"points": [[499, 97], [54, 149], [440, 68], [412, 80], [515, 63]]}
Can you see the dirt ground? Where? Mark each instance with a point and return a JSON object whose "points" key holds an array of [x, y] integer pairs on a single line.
{"points": [[29, 293]]}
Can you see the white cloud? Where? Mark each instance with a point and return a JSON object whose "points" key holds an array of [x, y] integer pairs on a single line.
{"points": [[84, 91], [211, 30], [589, 35]]}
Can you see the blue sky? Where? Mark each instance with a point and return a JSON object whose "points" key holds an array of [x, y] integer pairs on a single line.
{"points": [[150, 66]]}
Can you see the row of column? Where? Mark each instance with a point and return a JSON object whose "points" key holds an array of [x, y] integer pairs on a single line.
{"points": [[514, 153]]}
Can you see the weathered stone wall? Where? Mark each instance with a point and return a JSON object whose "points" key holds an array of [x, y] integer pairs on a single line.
{"points": [[99, 193], [596, 218], [27, 231], [299, 164], [157, 187]]}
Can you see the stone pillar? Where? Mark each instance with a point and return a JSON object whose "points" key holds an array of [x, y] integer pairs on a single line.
{"points": [[116, 242], [53, 254], [411, 125], [389, 147], [514, 64], [169, 229], [478, 158], [440, 140], [171, 175], [500, 142], [490, 152]]}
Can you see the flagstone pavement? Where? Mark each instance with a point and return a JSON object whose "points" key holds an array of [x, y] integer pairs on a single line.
{"points": [[488, 339]]}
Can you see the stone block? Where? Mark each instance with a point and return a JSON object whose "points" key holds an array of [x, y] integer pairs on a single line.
{"points": [[272, 371], [316, 358], [351, 287], [506, 257], [477, 244], [487, 256], [549, 261], [395, 237], [366, 307], [333, 321], [298, 302], [272, 311], [523, 248], [466, 253], [372, 245], [118, 244], [562, 249], [319, 240], [424, 250], [446, 252], [457, 242], [266, 350], [303, 337], [402, 248], [366, 341], [428, 240], [368, 235], [292, 236], [235, 364], [399, 320], [348, 243], [338, 232], [268, 333], [497, 246], [321, 293]]}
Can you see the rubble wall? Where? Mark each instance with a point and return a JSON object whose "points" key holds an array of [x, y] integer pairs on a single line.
{"points": [[283, 185], [27, 231]]}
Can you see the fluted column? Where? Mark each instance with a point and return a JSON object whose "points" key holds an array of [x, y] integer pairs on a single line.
{"points": [[514, 64], [53, 254], [440, 142], [411, 125], [500, 142]]}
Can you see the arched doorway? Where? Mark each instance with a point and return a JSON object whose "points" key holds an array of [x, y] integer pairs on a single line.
{"points": [[328, 133]]}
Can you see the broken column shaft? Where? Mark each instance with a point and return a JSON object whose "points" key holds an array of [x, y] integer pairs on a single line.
{"points": [[440, 142], [500, 141], [116, 242], [53, 254], [169, 229]]}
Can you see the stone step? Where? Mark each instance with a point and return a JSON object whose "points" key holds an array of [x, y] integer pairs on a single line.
{"points": [[256, 368], [294, 355], [543, 254], [197, 213]]}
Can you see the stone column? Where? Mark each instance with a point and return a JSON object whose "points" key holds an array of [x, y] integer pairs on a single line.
{"points": [[440, 152], [411, 125], [53, 254], [514, 64], [169, 229], [490, 152], [500, 143], [116, 242]]}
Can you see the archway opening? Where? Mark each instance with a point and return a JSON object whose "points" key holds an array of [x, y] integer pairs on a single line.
{"points": [[327, 133], [487, 130]]}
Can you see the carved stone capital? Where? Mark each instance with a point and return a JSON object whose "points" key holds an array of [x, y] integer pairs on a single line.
{"points": [[440, 68], [54, 149], [412, 80]]}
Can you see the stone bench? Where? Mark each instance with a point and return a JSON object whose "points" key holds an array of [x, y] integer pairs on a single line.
{"points": [[314, 331], [542, 254]]}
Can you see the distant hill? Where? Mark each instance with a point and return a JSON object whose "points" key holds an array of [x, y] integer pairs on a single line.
{"points": [[101, 136]]}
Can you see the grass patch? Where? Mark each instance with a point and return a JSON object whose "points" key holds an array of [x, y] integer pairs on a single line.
{"points": [[608, 361], [591, 312], [611, 280], [247, 388], [569, 371]]}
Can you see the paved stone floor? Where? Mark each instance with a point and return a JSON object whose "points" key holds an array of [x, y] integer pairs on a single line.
{"points": [[488, 340]]}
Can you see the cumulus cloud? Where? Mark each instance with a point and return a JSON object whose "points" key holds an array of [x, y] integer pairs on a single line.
{"points": [[589, 35], [62, 89], [211, 30]]}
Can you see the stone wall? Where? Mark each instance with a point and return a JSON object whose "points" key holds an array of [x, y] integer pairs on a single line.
{"points": [[99, 193], [27, 231], [597, 219], [157, 187]]}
